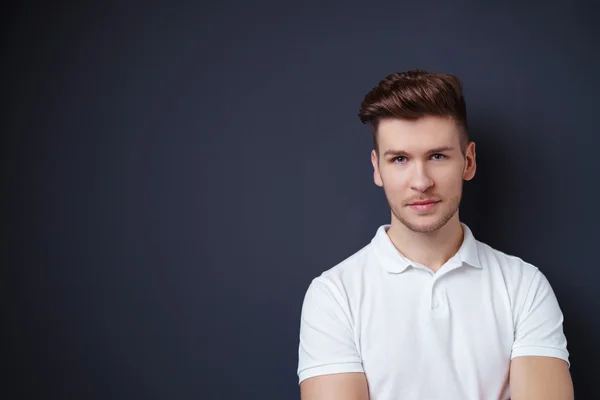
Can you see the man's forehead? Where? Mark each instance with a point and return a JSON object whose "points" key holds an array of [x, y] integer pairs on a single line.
{"points": [[417, 141], [419, 134]]}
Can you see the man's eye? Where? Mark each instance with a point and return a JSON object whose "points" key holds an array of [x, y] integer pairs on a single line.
{"points": [[438, 156], [399, 159]]}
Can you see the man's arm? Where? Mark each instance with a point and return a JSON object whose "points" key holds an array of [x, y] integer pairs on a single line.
{"points": [[540, 378], [540, 361], [346, 386], [329, 364]]}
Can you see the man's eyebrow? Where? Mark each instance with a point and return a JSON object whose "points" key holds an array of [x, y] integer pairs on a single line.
{"points": [[441, 149], [391, 152]]}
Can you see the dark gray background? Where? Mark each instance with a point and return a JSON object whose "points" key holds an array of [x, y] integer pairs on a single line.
{"points": [[177, 175]]}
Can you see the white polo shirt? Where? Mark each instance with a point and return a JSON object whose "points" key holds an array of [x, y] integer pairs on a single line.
{"points": [[423, 335]]}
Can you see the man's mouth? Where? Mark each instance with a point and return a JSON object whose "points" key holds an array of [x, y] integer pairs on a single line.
{"points": [[424, 202], [423, 205]]}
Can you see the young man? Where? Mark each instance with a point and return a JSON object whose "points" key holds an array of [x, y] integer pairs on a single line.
{"points": [[426, 311]]}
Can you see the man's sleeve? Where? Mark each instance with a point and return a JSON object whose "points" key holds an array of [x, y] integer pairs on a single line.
{"points": [[539, 326], [327, 343]]}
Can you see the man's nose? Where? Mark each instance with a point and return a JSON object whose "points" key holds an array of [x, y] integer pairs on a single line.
{"points": [[420, 180]]}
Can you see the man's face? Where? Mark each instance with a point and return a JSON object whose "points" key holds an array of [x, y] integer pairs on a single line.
{"points": [[421, 169]]}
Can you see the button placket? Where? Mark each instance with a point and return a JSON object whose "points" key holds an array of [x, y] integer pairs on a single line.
{"points": [[437, 295], [432, 301]]}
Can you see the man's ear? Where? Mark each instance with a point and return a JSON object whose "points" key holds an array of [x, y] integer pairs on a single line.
{"points": [[376, 174], [471, 162]]}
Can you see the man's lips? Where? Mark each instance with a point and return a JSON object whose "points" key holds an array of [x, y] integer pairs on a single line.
{"points": [[424, 205], [424, 202]]}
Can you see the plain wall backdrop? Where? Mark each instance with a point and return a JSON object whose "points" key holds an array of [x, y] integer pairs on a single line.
{"points": [[176, 175]]}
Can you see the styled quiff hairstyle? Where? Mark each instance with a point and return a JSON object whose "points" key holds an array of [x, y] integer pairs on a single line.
{"points": [[415, 94]]}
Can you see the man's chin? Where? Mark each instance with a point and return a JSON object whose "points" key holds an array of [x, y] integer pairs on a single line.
{"points": [[423, 226]]}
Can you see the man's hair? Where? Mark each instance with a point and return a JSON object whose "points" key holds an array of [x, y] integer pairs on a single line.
{"points": [[414, 94]]}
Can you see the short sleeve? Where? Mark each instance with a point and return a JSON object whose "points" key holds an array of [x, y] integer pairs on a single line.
{"points": [[327, 343], [539, 327]]}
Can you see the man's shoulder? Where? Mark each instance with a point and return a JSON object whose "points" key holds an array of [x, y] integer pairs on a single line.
{"points": [[349, 268], [507, 264], [340, 282], [351, 265]]}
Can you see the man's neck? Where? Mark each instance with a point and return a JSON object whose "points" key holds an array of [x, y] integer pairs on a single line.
{"points": [[431, 249]]}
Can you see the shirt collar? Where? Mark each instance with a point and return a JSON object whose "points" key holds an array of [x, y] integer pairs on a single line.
{"points": [[395, 262]]}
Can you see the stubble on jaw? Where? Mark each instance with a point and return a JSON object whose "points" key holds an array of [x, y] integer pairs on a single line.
{"points": [[434, 226]]}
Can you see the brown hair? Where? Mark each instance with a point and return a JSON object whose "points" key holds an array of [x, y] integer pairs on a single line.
{"points": [[414, 94]]}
